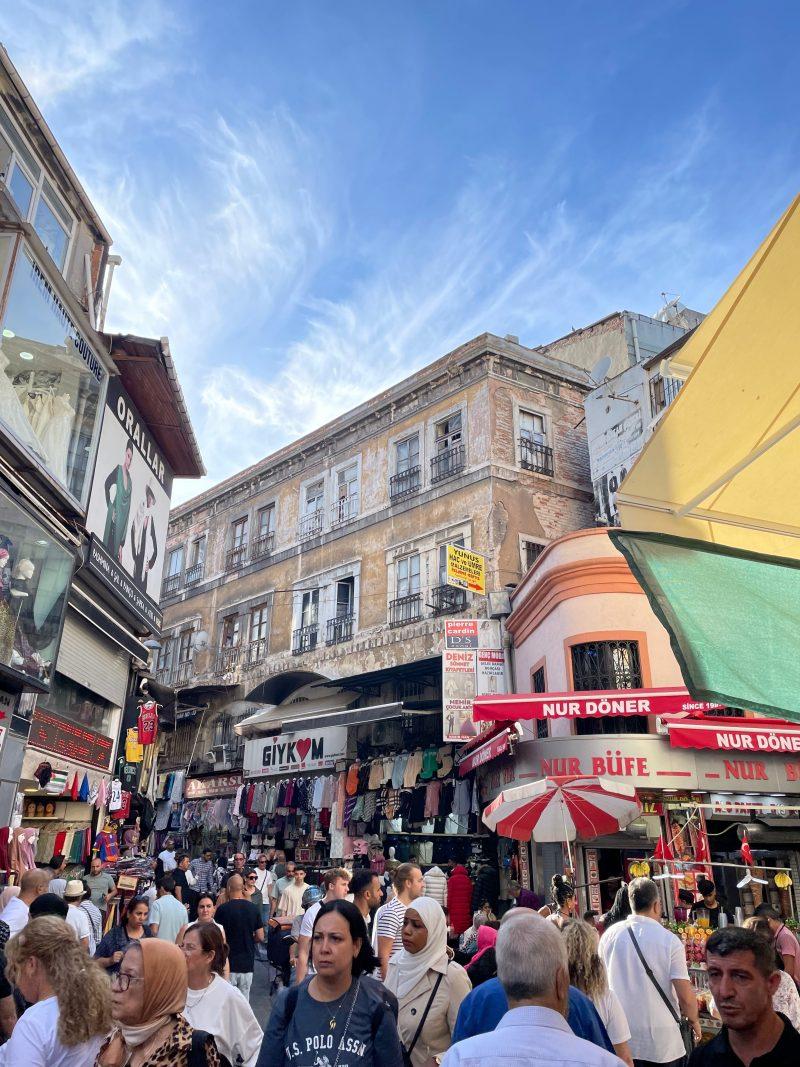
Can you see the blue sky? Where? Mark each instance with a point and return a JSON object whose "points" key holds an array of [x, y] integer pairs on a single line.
{"points": [[314, 199]]}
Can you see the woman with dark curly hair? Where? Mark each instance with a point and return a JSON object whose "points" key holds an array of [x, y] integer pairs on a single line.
{"points": [[339, 1015], [70, 1002], [562, 895]]}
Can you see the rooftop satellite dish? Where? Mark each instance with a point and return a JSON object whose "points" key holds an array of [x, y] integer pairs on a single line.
{"points": [[200, 641], [599, 371]]}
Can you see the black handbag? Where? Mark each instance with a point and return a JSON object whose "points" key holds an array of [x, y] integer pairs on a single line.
{"points": [[407, 1051], [685, 1027]]}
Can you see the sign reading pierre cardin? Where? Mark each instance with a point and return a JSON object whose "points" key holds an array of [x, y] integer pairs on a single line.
{"points": [[314, 750]]}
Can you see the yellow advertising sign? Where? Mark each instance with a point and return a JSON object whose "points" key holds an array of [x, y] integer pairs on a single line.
{"points": [[466, 570]]}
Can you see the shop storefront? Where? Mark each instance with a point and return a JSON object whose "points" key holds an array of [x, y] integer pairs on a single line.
{"points": [[695, 805]]}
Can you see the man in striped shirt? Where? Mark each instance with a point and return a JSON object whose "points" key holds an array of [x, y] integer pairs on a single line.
{"points": [[408, 885]]}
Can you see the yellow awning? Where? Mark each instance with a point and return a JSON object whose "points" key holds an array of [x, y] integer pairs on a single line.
{"points": [[724, 463]]}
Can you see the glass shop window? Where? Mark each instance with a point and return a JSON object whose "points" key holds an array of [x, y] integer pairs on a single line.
{"points": [[50, 380]]}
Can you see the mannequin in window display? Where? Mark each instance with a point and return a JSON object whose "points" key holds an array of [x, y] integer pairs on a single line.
{"points": [[55, 435], [143, 535], [13, 413], [119, 505], [7, 620]]}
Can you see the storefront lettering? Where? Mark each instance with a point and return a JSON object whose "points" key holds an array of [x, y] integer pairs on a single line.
{"points": [[611, 765], [81, 344], [586, 708], [280, 752], [746, 770], [760, 742], [137, 434], [792, 772]]}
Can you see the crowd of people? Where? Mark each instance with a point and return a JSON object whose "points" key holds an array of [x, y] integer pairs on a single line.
{"points": [[415, 980]]}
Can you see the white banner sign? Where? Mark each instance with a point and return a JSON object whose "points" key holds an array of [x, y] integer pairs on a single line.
{"points": [[468, 670], [292, 753]]}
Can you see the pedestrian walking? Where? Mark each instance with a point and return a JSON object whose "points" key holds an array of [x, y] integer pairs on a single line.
{"points": [[94, 915], [101, 885], [468, 942], [212, 1003], [428, 983], [532, 970], [336, 883], [487, 888], [743, 978], [562, 901], [263, 882], [588, 973], [167, 914], [483, 964], [653, 1001], [58, 883], [131, 927], [241, 920], [620, 908], [408, 886], [166, 862], [69, 997], [340, 1015], [785, 941], [203, 869], [785, 999], [365, 886], [32, 884], [48, 904], [484, 1007], [290, 902], [148, 995], [76, 917]]}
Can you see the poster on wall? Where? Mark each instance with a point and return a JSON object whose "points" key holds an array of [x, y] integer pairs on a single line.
{"points": [[129, 507], [472, 664]]}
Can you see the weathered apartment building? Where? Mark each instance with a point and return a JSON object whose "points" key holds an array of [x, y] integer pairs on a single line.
{"points": [[326, 560]]}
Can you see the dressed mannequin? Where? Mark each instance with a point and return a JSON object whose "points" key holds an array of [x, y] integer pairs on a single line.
{"points": [[55, 436], [13, 413]]}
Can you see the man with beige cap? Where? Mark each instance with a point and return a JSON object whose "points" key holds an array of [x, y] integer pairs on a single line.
{"points": [[76, 916]]}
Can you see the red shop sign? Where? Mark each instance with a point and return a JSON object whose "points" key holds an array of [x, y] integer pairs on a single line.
{"points": [[736, 735], [592, 705], [490, 750], [70, 740]]}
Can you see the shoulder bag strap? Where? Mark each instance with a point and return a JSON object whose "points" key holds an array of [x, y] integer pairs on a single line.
{"points": [[431, 998], [652, 977]]}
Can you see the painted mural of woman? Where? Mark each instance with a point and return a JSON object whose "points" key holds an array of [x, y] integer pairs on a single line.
{"points": [[119, 506]]}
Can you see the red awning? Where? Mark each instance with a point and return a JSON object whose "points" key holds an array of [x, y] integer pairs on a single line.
{"points": [[736, 735], [482, 749], [667, 700]]}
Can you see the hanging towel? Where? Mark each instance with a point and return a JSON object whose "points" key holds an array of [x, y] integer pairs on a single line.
{"points": [[102, 794]]}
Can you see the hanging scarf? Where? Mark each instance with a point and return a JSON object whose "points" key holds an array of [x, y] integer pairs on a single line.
{"points": [[407, 969]]}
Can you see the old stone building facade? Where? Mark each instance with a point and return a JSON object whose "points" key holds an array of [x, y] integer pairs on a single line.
{"points": [[325, 560]]}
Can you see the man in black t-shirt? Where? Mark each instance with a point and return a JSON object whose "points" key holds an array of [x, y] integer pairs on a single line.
{"points": [[743, 978], [183, 891], [243, 927], [709, 903]]}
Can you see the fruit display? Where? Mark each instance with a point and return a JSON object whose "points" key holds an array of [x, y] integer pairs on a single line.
{"points": [[694, 936]]}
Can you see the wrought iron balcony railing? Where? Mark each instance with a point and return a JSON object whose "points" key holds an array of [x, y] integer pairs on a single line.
{"points": [[448, 463], [262, 545], [304, 639], [228, 659], [171, 584], [447, 599], [344, 510], [309, 526], [339, 629], [405, 484], [236, 557], [536, 458], [405, 609], [194, 573]]}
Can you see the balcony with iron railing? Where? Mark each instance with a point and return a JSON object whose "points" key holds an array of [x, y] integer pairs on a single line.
{"points": [[535, 457], [236, 557], [406, 483], [447, 599], [340, 629], [309, 526], [227, 659], [182, 672], [344, 510], [304, 639], [171, 584], [405, 609], [255, 653], [448, 463], [194, 573], [262, 545]]}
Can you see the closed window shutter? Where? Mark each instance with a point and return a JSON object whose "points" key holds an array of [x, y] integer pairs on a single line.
{"points": [[94, 662]]}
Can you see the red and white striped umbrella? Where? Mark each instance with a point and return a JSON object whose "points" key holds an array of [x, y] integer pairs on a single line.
{"points": [[563, 809]]}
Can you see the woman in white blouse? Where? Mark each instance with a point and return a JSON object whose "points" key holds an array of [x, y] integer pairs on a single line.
{"points": [[214, 1005], [587, 972]]}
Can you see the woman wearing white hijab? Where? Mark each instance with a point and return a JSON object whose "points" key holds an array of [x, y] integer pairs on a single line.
{"points": [[428, 984]]}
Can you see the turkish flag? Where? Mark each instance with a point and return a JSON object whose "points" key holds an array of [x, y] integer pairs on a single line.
{"points": [[747, 855], [663, 851], [701, 850]]}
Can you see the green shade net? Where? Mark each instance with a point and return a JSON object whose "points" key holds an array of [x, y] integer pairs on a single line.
{"points": [[733, 618]]}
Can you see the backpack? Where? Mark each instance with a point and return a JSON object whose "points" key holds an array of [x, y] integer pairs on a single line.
{"points": [[197, 1053]]}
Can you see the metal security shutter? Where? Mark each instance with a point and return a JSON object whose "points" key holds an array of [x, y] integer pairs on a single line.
{"points": [[93, 660]]}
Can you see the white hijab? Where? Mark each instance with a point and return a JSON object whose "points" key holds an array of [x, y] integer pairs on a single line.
{"points": [[407, 969]]}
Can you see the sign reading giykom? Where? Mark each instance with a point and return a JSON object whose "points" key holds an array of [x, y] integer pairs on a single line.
{"points": [[305, 750]]}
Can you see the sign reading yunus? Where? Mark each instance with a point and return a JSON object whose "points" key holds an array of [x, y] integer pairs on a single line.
{"points": [[306, 751], [466, 570]]}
